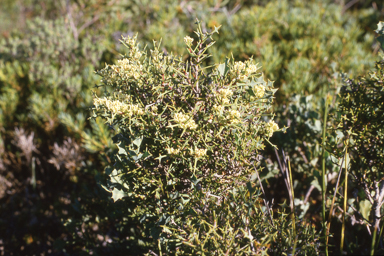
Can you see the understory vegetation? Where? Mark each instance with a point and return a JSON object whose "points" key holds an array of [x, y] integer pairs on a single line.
{"points": [[191, 127]]}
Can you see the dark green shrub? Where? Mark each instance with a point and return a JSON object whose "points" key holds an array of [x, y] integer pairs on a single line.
{"points": [[357, 138], [297, 43]]}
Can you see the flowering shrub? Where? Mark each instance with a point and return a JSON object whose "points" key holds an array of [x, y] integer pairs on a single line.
{"points": [[185, 132], [176, 113]]}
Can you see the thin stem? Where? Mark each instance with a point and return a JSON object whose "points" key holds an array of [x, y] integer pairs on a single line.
{"points": [[381, 233], [345, 201], [293, 204], [373, 241], [323, 186], [332, 205], [265, 196]]}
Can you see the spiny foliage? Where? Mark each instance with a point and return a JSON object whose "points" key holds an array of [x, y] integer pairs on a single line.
{"points": [[180, 117], [186, 132]]}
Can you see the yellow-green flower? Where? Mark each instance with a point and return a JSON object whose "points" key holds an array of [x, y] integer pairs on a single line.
{"points": [[188, 41], [198, 152], [172, 151], [270, 128], [259, 91], [184, 121]]}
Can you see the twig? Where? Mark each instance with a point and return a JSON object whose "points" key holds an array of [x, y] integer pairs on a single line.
{"points": [[284, 171], [281, 169], [262, 189], [72, 24], [333, 202], [89, 23], [308, 193], [349, 5]]}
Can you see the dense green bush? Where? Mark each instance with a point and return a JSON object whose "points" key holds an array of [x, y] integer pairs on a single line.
{"points": [[359, 128], [298, 44]]}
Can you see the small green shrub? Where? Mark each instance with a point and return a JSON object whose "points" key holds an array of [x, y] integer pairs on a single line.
{"points": [[359, 136], [298, 44]]}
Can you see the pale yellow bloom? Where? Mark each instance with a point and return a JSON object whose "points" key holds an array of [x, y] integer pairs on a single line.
{"points": [[234, 116], [271, 127], [118, 107], [154, 109], [218, 108], [188, 41], [130, 41], [198, 152], [239, 66], [259, 91], [234, 113], [128, 68], [251, 69], [184, 121], [225, 101], [172, 151], [225, 93]]}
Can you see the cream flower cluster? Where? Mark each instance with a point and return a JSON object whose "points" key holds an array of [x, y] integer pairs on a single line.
{"points": [[154, 110], [270, 128], [188, 41], [130, 41], [218, 108], [259, 91], [242, 70], [251, 69], [223, 94], [239, 66], [198, 152], [185, 121], [172, 151], [127, 68], [134, 52], [233, 116], [156, 56], [118, 107]]}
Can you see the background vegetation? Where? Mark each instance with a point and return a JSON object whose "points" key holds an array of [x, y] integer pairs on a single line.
{"points": [[52, 158]]}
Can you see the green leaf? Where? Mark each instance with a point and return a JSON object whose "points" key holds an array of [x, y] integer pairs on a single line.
{"points": [[316, 184], [223, 68], [122, 150], [138, 141], [365, 208], [118, 194], [380, 31]]}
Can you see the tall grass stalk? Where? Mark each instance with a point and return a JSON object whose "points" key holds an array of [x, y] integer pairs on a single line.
{"points": [[293, 207], [373, 241], [323, 173], [287, 174], [380, 235], [332, 206], [345, 200]]}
